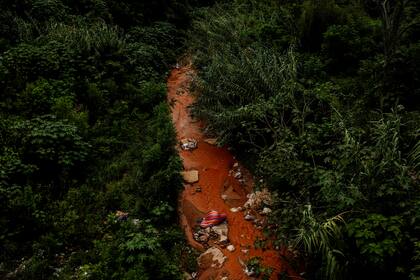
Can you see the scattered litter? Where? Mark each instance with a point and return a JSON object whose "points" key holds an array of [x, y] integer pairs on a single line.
{"points": [[222, 232], [259, 222], [249, 217], [224, 196], [198, 189], [204, 238], [230, 248], [258, 200], [265, 211], [213, 230], [188, 144], [238, 175], [201, 236], [121, 216], [180, 91]]}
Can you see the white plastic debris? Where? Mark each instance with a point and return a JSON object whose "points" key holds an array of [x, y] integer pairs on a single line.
{"points": [[188, 144]]}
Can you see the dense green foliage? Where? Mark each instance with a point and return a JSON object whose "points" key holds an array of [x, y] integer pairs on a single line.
{"points": [[84, 132], [321, 99]]}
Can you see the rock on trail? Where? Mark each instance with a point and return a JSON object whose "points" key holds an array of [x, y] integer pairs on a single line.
{"points": [[213, 257], [190, 176]]}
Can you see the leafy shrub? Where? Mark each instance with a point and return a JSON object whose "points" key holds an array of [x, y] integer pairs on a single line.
{"points": [[50, 141], [317, 121], [377, 237], [84, 132], [47, 9]]}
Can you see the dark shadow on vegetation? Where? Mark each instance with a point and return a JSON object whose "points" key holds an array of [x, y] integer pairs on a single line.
{"points": [[321, 98]]}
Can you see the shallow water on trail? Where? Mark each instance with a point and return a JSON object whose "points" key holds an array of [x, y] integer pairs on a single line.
{"points": [[215, 179]]}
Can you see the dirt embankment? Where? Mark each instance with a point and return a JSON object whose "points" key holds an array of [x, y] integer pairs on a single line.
{"points": [[216, 189]]}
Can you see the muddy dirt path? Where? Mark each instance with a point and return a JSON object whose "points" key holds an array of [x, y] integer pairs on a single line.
{"points": [[217, 189]]}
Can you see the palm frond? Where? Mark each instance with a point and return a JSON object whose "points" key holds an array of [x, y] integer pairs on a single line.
{"points": [[414, 156], [316, 237]]}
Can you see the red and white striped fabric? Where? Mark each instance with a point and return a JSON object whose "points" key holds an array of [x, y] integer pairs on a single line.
{"points": [[213, 218]]}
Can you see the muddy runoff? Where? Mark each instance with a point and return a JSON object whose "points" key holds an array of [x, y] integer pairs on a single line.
{"points": [[215, 181]]}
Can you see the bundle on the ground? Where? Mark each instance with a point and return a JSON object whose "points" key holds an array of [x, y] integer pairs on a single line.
{"points": [[212, 218]]}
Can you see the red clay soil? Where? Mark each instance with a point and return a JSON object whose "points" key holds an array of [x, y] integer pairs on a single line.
{"points": [[213, 164]]}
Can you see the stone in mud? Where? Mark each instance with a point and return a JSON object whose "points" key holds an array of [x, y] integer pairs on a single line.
{"points": [[245, 251], [249, 217], [213, 257], [211, 141], [222, 231], [229, 193], [190, 176], [230, 248], [265, 211], [234, 209]]}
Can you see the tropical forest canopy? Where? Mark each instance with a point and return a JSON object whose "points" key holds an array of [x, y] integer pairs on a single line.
{"points": [[319, 98], [85, 132]]}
